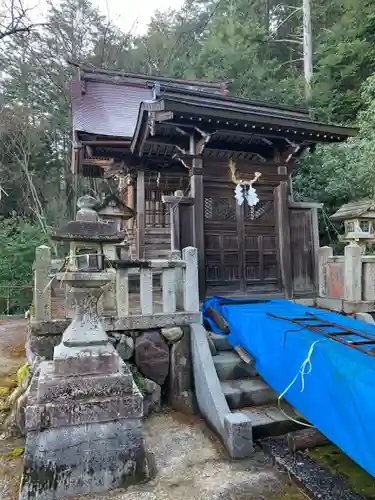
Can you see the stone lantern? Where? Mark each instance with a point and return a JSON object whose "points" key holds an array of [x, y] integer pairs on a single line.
{"points": [[84, 412], [113, 211], [359, 222], [92, 243]]}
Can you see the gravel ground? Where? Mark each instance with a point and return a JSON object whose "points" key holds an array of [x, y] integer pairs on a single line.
{"points": [[191, 463]]}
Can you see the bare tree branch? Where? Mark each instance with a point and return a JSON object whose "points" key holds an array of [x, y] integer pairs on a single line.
{"points": [[14, 19]]}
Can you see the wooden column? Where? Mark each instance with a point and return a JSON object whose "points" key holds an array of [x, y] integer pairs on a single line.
{"points": [[180, 208], [141, 214], [174, 210], [283, 234], [196, 181]]}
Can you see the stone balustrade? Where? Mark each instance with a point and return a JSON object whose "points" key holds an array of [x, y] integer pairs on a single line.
{"points": [[176, 301], [347, 282]]}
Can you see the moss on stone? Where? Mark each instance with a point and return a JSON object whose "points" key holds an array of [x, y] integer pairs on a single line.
{"points": [[7, 384], [140, 382], [334, 460], [22, 373], [15, 453]]}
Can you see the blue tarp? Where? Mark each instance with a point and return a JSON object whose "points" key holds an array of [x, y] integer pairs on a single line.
{"points": [[338, 397]]}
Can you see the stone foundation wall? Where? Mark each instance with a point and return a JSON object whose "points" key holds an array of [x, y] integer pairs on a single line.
{"points": [[160, 360]]}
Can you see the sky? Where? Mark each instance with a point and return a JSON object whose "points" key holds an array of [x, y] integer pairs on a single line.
{"points": [[126, 13]]}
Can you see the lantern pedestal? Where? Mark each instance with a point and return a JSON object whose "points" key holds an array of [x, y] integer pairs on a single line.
{"points": [[84, 413]]}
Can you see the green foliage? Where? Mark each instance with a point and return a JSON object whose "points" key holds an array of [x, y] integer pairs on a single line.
{"points": [[257, 44], [18, 240], [340, 173]]}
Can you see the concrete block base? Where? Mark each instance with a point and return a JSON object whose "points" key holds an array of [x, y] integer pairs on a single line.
{"points": [[84, 434], [68, 461], [238, 430]]}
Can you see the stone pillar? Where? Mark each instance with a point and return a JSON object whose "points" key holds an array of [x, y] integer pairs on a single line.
{"points": [[353, 273], [122, 292], [176, 255], [191, 283], [107, 305], [324, 253], [69, 303], [42, 288]]}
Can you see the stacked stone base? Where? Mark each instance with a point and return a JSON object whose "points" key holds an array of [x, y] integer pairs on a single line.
{"points": [[84, 434]]}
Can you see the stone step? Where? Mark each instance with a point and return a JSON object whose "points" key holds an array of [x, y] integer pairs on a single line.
{"points": [[157, 253], [221, 342], [157, 230], [158, 242], [248, 392], [229, 366], [268, 420]]}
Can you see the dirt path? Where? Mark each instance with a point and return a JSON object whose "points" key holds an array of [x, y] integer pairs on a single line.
{"points": [[12, 356], [12, 345], [192, 465]]}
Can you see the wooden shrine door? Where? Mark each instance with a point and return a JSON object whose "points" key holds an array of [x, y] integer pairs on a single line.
{"points": [[240, 244]]}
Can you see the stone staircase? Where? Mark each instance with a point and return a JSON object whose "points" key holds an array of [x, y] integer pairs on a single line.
{"points": [[245, 391]]}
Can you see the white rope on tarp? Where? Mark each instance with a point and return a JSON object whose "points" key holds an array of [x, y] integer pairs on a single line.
{"points": [[305, 369]]}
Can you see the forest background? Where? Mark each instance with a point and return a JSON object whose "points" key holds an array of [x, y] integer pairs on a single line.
{"points": [[257, 44]]}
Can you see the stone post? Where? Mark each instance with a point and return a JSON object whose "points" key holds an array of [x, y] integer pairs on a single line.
{"points": [[324, 253], [178, 274], [69, 302], [191, 283], [353, 273], [122, 292], [42, 289]]}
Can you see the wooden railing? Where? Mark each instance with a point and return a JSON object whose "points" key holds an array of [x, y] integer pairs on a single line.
{"points": [[176, 301]]}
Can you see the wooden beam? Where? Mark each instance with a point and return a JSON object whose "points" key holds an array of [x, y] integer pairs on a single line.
{"points": [[183, 200], [283, 237], [106, 143], [196, 181], [305, 439], [141, 221]]}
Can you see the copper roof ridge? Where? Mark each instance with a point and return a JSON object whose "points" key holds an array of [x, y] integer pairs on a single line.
{"points": [[100, 71]]}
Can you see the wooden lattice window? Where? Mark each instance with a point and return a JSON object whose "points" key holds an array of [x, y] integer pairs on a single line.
{"points": [[219, 209], [157, 213], [259, 210]]}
